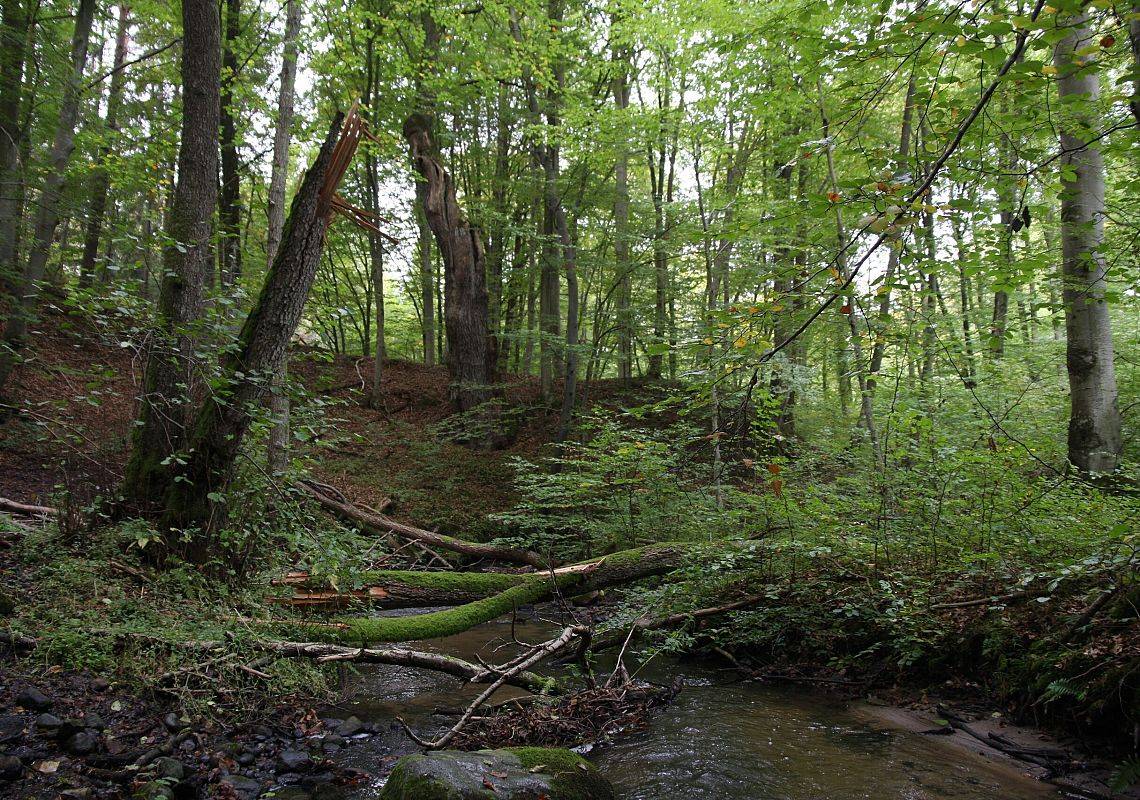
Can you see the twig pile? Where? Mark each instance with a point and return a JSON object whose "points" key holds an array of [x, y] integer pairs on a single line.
{"points": [[592, 715]]}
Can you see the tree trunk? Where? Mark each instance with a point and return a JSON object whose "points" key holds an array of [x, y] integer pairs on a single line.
{"points": [[427, 283], [229, 211], [883, 320], [662, 176], [549, 301], [101, 180], [964, 299], [14, 25], [1134, 41], [621, 219], [379, 353], [279, 173], [47, 217], [866, 407], [193, 491], [186, 262], [1000, 320], [470, 348], [278, 454], [1094, 423]]}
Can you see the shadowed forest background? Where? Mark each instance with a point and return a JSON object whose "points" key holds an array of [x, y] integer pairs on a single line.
{"points": [[802, 337]]}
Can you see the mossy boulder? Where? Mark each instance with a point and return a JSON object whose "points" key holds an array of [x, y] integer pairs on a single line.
{"points": [[522, 773]]}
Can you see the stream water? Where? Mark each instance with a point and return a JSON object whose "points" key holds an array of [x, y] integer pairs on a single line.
{"points": [[720, 739]]}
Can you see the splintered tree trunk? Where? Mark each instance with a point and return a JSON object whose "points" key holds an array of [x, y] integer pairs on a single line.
{"points": [[47, 217], [470, 348], [186, 262], [101, 180], [13, 36], [1094, 423], [278, 455], [192, 491], [229, 212]]}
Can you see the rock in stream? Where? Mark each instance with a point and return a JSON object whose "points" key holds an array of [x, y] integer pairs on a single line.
{"points": [[522, 773]]}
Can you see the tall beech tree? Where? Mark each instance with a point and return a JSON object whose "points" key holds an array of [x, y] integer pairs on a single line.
{"points": [[1094, 422]]}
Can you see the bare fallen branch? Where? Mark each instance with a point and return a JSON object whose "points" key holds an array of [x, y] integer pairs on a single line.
{"points": [[516, 666], [27, 510], [382, 525]]}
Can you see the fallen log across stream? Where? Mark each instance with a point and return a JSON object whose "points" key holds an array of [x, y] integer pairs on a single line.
{"points": [[525, 589]]}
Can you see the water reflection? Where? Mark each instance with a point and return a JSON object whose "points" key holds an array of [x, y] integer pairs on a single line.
{"points": [[720, 739]]}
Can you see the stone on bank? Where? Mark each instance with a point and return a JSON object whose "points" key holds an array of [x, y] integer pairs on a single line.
{"points": [[517, 773]]}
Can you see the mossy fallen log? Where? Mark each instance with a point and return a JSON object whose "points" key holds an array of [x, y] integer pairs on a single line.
{"points": [[611, 570], [421, 589]]}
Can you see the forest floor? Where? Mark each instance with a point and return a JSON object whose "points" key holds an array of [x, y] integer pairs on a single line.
{"points": [[81, 722]]}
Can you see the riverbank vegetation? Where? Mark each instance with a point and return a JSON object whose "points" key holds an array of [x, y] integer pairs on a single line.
{"points": [[798, 336]]}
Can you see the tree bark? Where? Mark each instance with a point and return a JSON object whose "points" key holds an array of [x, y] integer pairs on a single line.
{"points": [[101, 180], [427, 284], [866, 407], [278, 454], [1134, 42], [470, 347], [883, 319], [14, 25], [229, 211], [279, 172], [1095, 439], [620, 63], [47, 217], [193, 491], [186, 262]]}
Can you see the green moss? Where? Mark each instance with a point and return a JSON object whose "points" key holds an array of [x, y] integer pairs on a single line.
{"points": [[553, 759], [435, 624], [522, 589], [406, 782], [575, 778]]}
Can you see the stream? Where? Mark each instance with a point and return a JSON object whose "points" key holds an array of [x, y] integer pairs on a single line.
{"points": [[719, 739]]}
